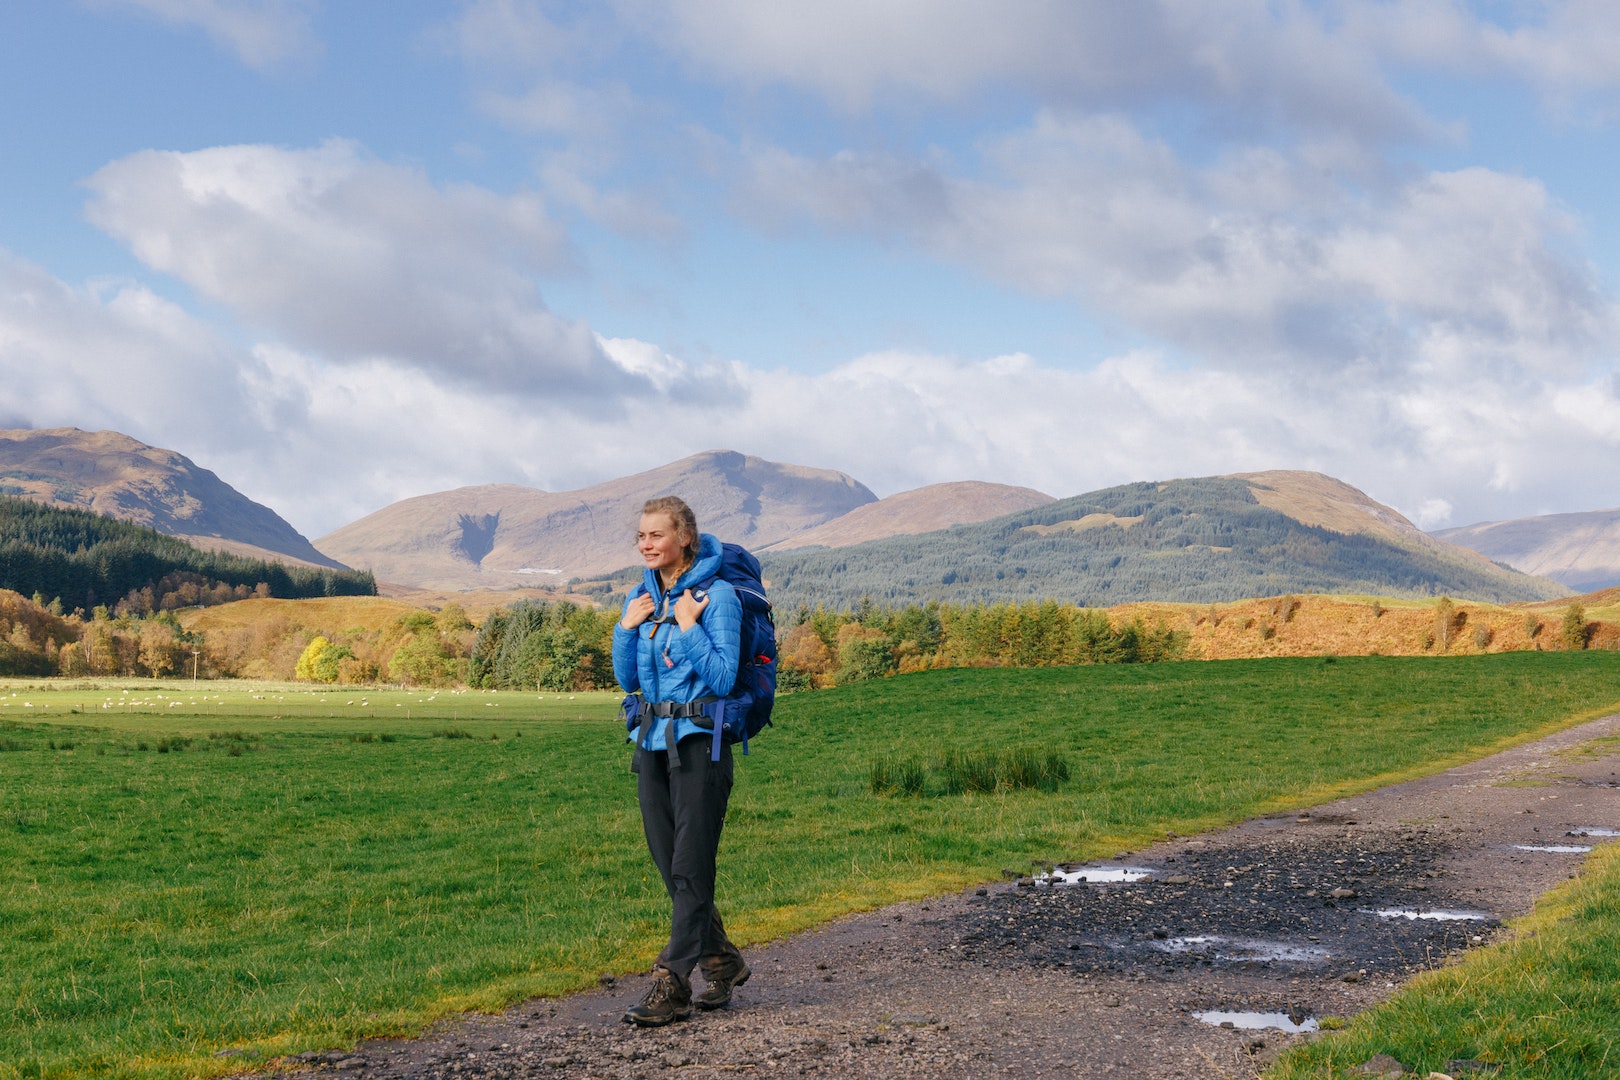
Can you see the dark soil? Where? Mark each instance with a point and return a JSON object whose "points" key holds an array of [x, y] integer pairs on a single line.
{"points": [[1277, 915]]}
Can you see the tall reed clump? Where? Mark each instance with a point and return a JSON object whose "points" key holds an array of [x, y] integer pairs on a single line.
{"points": [[894, 775], [958, 772]]}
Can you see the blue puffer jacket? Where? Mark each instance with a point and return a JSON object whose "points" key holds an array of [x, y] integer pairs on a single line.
{"points": [[667, 664]]}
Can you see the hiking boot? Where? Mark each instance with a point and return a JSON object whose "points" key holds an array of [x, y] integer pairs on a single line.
{"points": [[723, 974], [668, 1000]]}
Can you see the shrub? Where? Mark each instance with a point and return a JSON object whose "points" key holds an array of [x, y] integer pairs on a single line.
{"points": [[1574, 630], [1445, 621]]}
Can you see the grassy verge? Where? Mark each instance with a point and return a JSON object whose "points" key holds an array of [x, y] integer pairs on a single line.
{"points": [[1544, 1004], [188, 869]]}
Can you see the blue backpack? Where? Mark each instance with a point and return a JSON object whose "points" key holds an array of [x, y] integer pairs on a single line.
{"points": [[746, 711]]}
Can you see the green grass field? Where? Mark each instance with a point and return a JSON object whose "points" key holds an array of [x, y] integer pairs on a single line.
{"points": [[186, 868]]}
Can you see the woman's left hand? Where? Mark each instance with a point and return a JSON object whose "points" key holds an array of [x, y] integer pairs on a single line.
{"points": [[689, 609]]}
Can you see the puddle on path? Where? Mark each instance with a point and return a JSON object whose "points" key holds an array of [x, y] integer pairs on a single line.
{"points": [[1558, 849], [1593, 831], [1438, 915], [1241, 949], [1253, 1021], [1095, 875]]}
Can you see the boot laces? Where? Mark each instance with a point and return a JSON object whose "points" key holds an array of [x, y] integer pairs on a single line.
{"points": [[663, 989]]}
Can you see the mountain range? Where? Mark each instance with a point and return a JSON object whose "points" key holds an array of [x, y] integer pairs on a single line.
{"points": [[1240, 535], [1581, 551], [502, 535]]}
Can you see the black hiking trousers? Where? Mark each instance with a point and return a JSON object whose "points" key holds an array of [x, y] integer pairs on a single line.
{"points": [[682, 812]]}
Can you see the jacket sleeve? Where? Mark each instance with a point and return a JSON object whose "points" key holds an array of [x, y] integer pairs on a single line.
{"points": [[624, 654], [713, 646]]}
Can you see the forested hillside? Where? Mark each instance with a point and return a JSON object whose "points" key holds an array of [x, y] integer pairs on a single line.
{"points": [[107, 472], [1201, 541], [85, 560]]}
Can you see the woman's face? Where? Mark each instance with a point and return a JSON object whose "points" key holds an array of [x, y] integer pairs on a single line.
{"points": [[660, 544]]}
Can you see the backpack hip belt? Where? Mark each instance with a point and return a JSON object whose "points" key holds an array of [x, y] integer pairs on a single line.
{"points": [[669, 712]]}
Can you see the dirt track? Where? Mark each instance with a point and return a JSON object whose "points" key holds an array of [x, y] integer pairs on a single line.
{"points": [[1278, 914]]}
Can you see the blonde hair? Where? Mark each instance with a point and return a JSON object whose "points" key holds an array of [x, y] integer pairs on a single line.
{"points": [[685, 522]]}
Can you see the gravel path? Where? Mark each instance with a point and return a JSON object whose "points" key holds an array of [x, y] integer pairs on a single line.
{"points": [[1278, 915]]}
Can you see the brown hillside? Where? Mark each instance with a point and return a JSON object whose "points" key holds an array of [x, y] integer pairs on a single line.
{"points": [[1581, 551], [113, 474], [921, 510], [1312, 498], [507, 535], [1315, 499]]}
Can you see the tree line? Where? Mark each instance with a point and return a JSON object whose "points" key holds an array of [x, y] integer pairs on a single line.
{"points": [[416, 648], [36, 639], [83, 560], [538, 645]]}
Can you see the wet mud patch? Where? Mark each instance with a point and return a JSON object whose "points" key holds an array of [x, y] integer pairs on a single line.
{"points": [[1372, 907]]}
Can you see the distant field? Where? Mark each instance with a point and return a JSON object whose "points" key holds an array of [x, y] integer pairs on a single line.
{"points": [[188, 868]]}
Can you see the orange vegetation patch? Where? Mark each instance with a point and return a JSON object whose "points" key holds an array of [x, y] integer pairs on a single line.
{"points": [[325, 614], [263, 639], [1356, 626]]}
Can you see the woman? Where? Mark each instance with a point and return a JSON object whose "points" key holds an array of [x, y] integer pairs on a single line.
{"points": [[676, 646]]}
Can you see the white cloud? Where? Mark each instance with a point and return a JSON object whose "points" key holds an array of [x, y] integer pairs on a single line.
{"points": [[115, 356], [357, 259], [1432, 514], [324, 443], [262, 33], [1265, 62], [1467, 442], [1566, 48], [1312, 68], [1251, 261]]}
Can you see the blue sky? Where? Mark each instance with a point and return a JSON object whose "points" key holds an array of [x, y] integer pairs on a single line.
{"points": [[347, 253]]}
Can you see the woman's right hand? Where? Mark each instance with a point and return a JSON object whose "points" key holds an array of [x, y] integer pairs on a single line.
{"points": [[637, 611]]}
